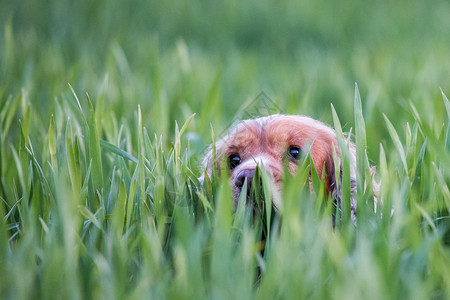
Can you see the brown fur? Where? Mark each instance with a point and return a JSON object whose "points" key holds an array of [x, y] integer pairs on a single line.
{"points": [[266, 140]]}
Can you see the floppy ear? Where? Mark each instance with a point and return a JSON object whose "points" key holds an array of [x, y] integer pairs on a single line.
{"points": [[334, 184]]}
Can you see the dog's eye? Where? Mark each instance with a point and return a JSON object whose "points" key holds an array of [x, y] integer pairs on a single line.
{"points": [[294, 152], [234, 160]]}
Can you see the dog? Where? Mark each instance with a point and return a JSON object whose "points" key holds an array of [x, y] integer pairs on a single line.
{"points": [[277, 141]]}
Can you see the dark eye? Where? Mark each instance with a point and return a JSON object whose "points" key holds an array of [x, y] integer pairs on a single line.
{"points": [[234, 160], [294, 152]]}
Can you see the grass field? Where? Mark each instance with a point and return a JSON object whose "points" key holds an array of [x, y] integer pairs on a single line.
{"points": [[99, 148]]}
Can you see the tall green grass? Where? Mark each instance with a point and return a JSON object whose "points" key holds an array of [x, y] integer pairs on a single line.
{"points": [[99, 190], [82, 217]]}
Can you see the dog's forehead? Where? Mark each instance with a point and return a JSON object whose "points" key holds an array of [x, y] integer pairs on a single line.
{"points": [[300, 123], [256, 135], [245, 135]]}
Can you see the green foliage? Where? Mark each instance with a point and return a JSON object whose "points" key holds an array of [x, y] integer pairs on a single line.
{"points": [[100, 196]]}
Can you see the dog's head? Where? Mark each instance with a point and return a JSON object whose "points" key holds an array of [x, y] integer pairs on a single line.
{"points": [[274, 142]]}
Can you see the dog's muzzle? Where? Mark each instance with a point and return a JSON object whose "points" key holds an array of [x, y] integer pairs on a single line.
{"points": [[244, 175]]}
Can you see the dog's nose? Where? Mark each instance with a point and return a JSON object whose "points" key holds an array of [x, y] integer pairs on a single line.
{"points": [[240, 179]]}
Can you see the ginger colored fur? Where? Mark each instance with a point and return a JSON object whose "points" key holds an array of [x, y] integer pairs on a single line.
{"points": [[267, 141]]}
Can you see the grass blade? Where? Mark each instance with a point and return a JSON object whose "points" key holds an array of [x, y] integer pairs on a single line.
{"points": [[360, 141], [9, 112], [418, 172], [442, 186], [447, 107], [344, 188], [73, 161], [447, 104], [397, 143], [94, 148], [116, 150], [52, 144]]}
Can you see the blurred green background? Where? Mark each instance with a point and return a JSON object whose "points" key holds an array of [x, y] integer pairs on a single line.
{"points": [[172, 57], [96, 202]]}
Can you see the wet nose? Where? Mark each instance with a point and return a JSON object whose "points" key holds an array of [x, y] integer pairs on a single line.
{"points": [[240, 179]]}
